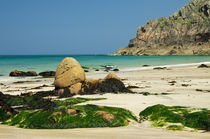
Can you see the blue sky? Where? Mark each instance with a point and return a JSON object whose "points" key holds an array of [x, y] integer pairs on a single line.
{"points": [[75, 26]]}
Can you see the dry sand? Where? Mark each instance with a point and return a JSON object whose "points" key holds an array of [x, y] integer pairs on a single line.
{"points": [[185, 86]]}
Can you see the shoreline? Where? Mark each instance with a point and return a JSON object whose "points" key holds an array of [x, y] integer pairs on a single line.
{"points": [[4, 77]]}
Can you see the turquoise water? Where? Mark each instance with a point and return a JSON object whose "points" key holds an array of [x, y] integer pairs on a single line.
{"points": [[50, 62]]}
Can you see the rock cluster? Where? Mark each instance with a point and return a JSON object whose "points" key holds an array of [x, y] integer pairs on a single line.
{"points": [[70, 80], [17, 73], [186, 32]]}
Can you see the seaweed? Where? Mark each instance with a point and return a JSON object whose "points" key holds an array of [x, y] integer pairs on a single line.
{"points": [[160, 115]]}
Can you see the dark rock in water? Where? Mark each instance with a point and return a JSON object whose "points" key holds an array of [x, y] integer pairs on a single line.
{"points": [[145, 65], [86, 70], [47, 73], [1, 75], [203, 66], [159, 68], [107, 67], [96, 69], [17, 73], [116, 69], [85, 67], [31, 73]]}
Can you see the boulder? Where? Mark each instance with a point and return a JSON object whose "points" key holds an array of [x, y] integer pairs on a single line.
{"points": [[72, 111], [17, 73], [112, 83], [31, 73], [75, 89], [112, 75], [90, 85], [47, 73], [107, 117], [68, 72], [64, 92]]}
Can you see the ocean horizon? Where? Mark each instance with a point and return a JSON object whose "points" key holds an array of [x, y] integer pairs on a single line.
{"points": [[41, 63]]}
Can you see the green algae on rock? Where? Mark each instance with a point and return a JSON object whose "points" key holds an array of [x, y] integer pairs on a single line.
{"points": [[58, 118], [186, 116]]}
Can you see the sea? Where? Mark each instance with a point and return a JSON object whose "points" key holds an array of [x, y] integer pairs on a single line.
{"points": [[41, 63]]}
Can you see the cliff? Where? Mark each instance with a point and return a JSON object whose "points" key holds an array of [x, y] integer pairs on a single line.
{"points": [[186, 32]]}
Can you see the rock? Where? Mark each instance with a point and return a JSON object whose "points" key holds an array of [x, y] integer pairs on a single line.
{"points": [[90, 86], [5, 107], [86, 70], [64, 92], [203, 66], [112, 75], [47, 73], [71, 111], [57, 113], [116, 69], [17, 73], [112, 83], [32, 73], [96, 69], [145, 65], [99, 106], [75, 89], [68, 72], [186, 32], [107, 67], [159, 68], [108, 117], [85, 67], [132, 87]]}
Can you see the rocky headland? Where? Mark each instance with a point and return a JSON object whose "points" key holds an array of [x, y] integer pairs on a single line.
{"points": [[186, 32]]}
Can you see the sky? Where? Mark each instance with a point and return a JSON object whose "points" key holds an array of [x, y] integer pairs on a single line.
{"points": [[34, 27]]}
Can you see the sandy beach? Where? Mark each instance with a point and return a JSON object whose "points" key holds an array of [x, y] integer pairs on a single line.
{"points": [[174, 86]]}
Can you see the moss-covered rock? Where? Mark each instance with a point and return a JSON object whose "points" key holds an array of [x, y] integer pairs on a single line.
{"points": [[86, 117], [160, 115]]}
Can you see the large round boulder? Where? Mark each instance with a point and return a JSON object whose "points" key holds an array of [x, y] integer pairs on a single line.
{"points": [[68, 72]]}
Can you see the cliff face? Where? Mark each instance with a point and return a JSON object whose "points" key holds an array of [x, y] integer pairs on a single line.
{"points": [[186, 32]]}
